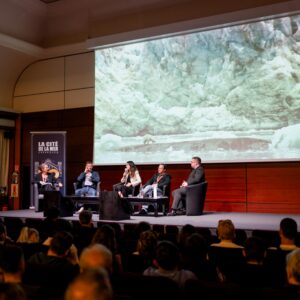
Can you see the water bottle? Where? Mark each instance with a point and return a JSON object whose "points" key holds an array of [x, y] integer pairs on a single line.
{"points": [[141, 193], [155, 191]]}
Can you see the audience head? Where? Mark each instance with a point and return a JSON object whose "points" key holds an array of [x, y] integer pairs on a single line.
{"points": [[33, 235], [293, 267], [185, 232], [11, 291], [92, 284], [3, 232], [288, 228], [12, 261], [226, 230], [255, 249], [195, 247], [85, 217], [23, 236], [167, 256], [96, 256], [28, 235], [141, 227], [106, 236], [147, 243], [61, 243]]}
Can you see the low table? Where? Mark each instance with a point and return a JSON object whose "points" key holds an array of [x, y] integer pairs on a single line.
{"points": [[95, 200], [163, 200]]}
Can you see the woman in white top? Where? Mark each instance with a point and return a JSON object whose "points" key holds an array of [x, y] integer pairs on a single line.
{"points": [[130, 180]]}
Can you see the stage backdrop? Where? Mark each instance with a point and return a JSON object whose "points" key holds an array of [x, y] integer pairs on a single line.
{"points": [[48, 147]]}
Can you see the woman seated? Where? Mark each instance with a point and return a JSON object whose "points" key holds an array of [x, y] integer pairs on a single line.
{"points": [[129, 181], [46, 181]]}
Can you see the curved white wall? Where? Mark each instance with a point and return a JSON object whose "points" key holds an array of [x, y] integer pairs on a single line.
{"points": [[56, 83]]}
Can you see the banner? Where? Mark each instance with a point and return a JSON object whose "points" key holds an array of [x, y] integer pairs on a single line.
{"points": [[49, 147]]}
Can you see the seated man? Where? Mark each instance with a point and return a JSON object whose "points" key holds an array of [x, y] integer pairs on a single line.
{"points": [[159, 180], [87, 182], [179, 195]]}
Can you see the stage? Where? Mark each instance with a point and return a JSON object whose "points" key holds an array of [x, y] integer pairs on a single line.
{"points": [[247, 221]]}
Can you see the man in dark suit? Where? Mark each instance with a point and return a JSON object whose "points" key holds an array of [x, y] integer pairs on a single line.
{"points": [[179, 195]]}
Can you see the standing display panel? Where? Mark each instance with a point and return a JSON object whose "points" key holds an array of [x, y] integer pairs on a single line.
{"points": [[48, 147]]}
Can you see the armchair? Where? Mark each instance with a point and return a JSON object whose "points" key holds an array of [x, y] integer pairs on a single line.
{"points": [[36, 198], [195, 198]]}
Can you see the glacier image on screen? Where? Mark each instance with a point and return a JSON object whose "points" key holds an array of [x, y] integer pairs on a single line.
{"points": [[226, 95]]}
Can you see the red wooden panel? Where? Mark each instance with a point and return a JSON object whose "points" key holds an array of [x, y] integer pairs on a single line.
{"points": [[280, 208], [273, 185], [226, 183], [225, 206]]}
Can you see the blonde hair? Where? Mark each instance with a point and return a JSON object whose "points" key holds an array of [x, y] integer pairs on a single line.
{"points": [[226, 230], [23, 237], [26, 234]]}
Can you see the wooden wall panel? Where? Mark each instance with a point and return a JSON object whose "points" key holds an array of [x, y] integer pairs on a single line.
{"points": [[224, 207], [274, 187], [239, 187], [269, 207]]}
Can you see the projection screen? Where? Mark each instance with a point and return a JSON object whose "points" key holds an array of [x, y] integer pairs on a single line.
{"points": [[227, 95]]}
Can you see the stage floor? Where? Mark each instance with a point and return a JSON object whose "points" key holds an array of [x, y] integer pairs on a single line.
{"points": [[247, 221]]}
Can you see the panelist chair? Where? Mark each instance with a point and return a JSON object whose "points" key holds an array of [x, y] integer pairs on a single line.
{"points": [[195, 198], [37, 198]]}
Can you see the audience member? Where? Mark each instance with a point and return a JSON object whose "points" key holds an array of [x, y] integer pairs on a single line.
{"points": [[288, 233], [179, 195], [12, 265], [194, 257], [224, 253], [28, 235], [226, 235], [96, 256], [85, 231], [106, 235], [186, 231], [293, 268], [60, 251], [290, 291], [167, 258], [4, 238], [11, 291], [92, 284], [143, 257]]}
